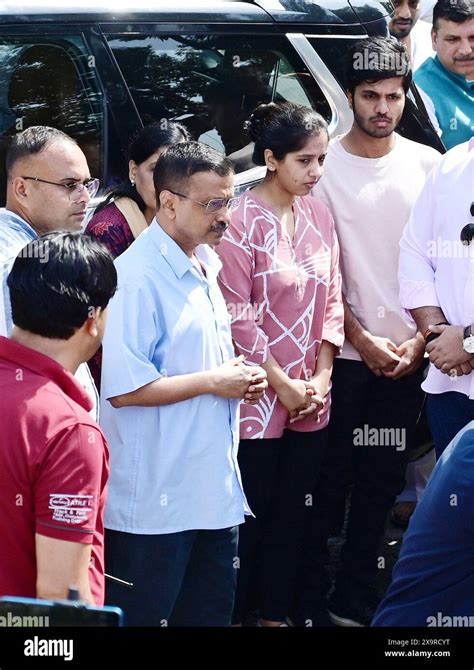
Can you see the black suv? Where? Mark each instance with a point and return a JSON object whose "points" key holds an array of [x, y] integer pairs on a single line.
{"points": [[100, 69]]}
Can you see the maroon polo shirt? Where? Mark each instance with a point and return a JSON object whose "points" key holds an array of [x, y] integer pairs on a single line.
{"points": [[53, 467]]}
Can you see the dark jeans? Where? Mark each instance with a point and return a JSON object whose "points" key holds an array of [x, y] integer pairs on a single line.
{"points": [[447, 414], [278, 477], [179, 579], [376, 468]]}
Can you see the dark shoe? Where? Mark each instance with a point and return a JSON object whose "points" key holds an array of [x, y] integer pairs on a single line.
{"points": [[351, 613], [401, 513]]}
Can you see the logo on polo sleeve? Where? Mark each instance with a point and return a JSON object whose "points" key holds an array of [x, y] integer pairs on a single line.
{"points": [[71, 509]]}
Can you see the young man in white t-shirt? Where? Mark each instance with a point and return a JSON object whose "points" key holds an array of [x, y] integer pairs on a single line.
{"points": [[372, 177]]}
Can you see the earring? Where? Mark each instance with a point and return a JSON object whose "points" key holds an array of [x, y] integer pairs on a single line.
{"points": [[132, 181]]}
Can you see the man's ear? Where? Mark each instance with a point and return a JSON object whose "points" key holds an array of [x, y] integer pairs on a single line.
{"points": [[94, 317], [19, 188], [166, 203], [350, 99], [434, 38]]}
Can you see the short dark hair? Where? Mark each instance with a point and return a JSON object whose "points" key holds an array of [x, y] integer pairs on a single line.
{"points": [[180, 162], [143, 144], [374, 59], [282, 127], [32, 141], [56, 281], [458, 11]]}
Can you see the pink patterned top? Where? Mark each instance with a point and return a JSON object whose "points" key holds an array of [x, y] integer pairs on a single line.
{"points": [[110, 227], [284, 297]]}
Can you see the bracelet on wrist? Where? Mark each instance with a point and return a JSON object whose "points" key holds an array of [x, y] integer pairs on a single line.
{"points": [[429, 336]]}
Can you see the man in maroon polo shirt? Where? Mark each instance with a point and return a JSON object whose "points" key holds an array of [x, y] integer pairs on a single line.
{"points": [[53, 456]]}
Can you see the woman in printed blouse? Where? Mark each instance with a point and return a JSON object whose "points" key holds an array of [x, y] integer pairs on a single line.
{"points": [[282, 284], [130, 207]]}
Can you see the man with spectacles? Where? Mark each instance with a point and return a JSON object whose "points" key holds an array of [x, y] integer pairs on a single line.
{"points": [[437, 289], [171, 387], [49, 187]]}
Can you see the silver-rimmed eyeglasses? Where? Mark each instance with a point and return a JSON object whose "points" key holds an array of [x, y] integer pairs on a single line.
{"points": [[212, 206], [74, 188]]}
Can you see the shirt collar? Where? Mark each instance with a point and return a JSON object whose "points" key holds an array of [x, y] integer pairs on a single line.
{"points": [[43, 365], [7, 216], [179, 262], [459, 79], [209, 259]]}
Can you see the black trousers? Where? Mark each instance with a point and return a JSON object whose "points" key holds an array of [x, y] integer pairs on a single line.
{"points": [[278, 476], [371, 434]]}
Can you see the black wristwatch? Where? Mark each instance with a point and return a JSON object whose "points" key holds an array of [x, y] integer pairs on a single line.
{"points": [[468, 341]]}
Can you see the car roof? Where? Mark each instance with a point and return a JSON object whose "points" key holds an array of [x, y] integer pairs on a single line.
{"points": [[262, 11], [166, 10]]}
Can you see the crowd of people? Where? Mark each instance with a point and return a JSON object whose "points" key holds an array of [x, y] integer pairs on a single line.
{"points": [[263, 358]]}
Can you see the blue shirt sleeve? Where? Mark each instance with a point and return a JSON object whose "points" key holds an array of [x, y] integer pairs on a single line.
{"points": [[132, 335]]}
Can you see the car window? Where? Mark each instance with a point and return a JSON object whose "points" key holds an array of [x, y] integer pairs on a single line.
{"points": [[211, 83], [51, 83]]}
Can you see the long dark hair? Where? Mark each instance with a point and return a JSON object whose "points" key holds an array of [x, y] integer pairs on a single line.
{"points": [[142, 145]]}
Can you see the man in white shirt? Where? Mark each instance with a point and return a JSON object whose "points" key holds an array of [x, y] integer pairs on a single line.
{"points": [[437, 287], [372, 177], [170, 392]]}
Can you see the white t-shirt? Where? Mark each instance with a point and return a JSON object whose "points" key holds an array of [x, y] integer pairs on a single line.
{"points": [[421, 44], [370, 200], [426, 13]]}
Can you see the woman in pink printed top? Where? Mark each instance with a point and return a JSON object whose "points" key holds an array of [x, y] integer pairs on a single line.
{"points": [[282, 284]]}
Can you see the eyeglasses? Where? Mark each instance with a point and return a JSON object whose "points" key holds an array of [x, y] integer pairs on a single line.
{"points": [[212, 206], [75, 189]]}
